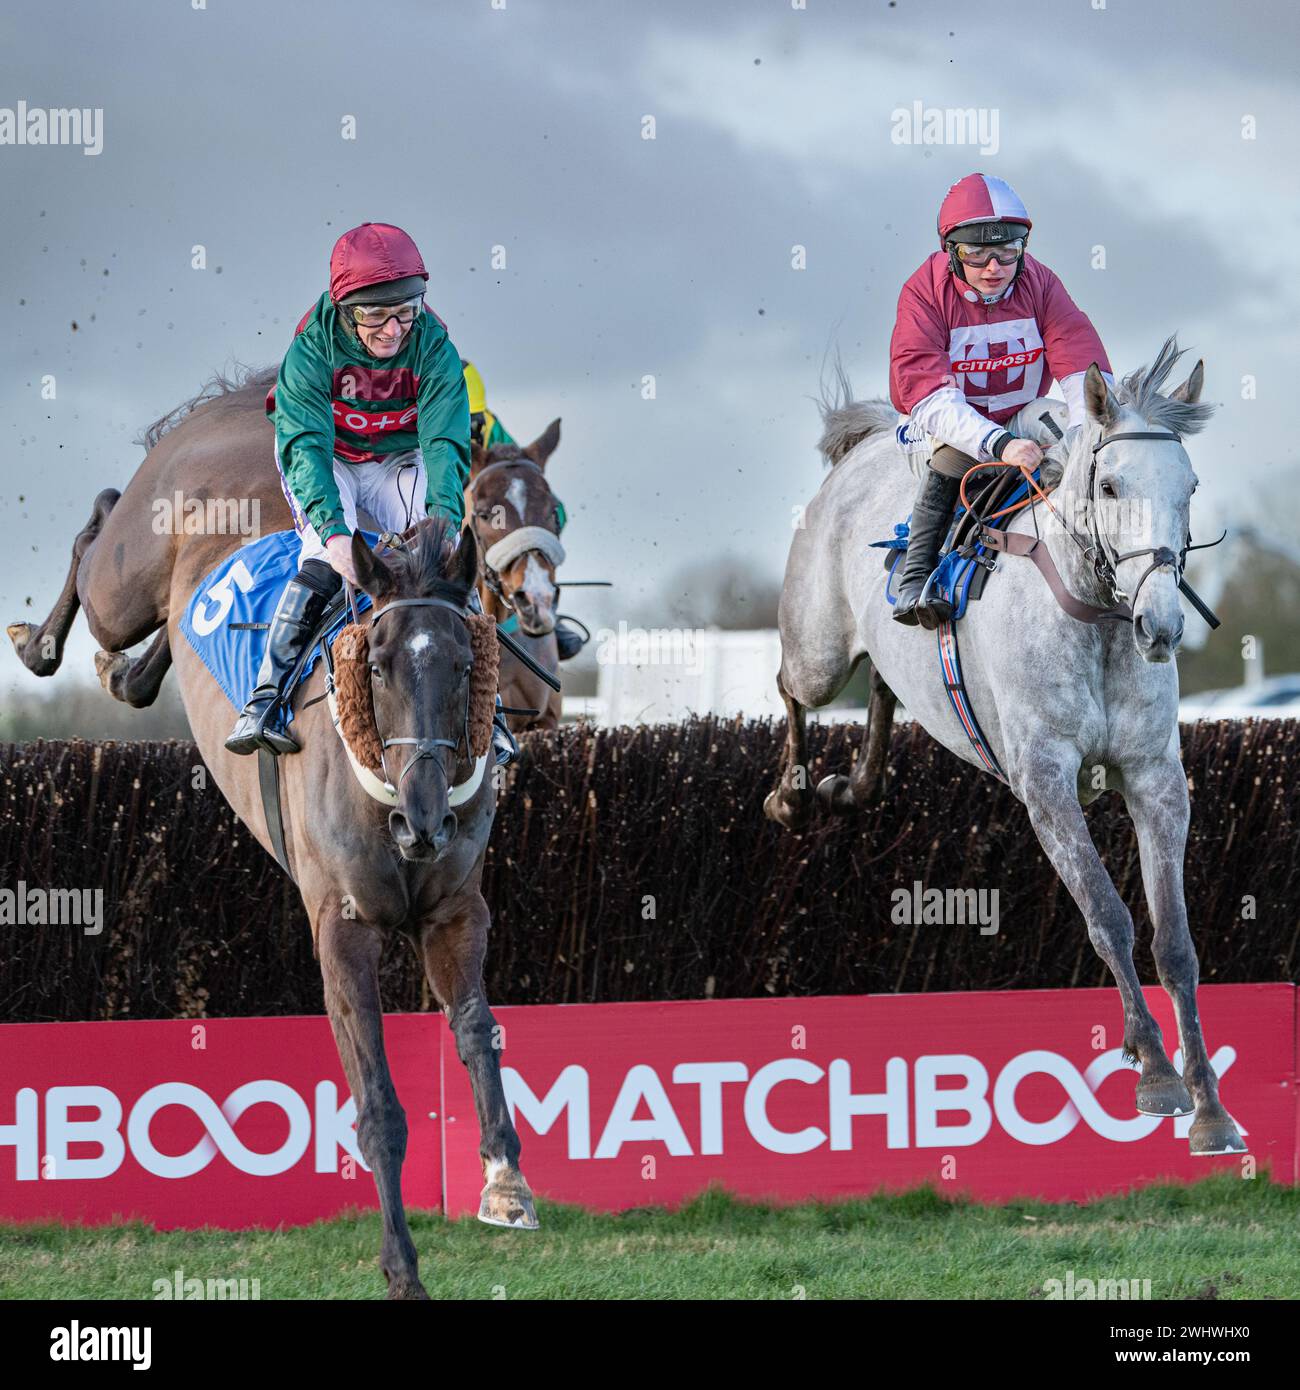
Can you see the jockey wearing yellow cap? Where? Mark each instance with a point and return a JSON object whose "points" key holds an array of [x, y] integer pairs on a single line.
{"points": [[485, 430]]}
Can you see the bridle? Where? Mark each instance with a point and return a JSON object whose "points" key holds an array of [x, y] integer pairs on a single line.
{"points": [[490, 576], [1105, 562], [424, 747]]}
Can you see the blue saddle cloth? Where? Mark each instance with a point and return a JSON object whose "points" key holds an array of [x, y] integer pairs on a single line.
{"points": [[245, 588]]}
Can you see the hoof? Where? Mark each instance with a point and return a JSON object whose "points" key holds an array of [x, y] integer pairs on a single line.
{"points": [[1166, 1095], [506, 1203], [108, 665], [407, 1290], [20, 634], [1215, 1136], [835, 794], [792, 814]]}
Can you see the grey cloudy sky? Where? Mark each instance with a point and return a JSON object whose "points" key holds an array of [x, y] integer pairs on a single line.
{"points": [[521, 126]]}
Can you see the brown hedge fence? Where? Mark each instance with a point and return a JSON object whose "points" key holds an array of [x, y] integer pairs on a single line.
{"points": [[636, 864]]}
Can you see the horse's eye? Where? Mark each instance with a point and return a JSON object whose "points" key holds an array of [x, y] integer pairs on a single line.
{"points": [[1107, 490], [376, 674]]}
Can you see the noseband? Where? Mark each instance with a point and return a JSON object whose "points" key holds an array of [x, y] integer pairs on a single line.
{"points": [[502, 552], [424, 747], [1105, 566]]}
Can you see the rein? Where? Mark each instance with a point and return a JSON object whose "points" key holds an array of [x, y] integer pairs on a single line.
{"points": [[1104, 565]]}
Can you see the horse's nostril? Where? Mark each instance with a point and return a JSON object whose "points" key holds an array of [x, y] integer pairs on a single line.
{"points": [[446, 832], [400, 829]]}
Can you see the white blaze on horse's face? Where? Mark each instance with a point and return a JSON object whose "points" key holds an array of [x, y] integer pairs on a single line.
{"points": [[1143, 491], [517, 496], [534, 599]]}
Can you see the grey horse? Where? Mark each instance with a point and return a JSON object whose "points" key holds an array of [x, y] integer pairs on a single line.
{"points": [[1070, 708]]}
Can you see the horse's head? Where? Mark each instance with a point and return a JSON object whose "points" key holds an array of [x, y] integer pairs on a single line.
{"points": [[1139, 482], [420, 658], [515, 517]]}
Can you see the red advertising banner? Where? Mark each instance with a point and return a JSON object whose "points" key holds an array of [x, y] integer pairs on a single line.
{"points": [[224, 1122], [245, 1122], [1023, 1093]]}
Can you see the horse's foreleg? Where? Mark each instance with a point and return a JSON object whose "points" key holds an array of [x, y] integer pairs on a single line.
{"points": [[136, 682], [349, 962], [1157, 800], [41, 648], [1047, 783], [865, 785], [453, 940], [789, 802]]}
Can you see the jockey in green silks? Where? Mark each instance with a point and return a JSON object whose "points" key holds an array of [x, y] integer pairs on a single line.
{"points": [[371, 411]]}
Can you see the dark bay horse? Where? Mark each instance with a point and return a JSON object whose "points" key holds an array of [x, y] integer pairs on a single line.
{"points": [[364, 869], [515, 518]]}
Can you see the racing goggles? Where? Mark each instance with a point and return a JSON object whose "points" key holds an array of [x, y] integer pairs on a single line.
{"points": [[1004, 252], [377, 315]]}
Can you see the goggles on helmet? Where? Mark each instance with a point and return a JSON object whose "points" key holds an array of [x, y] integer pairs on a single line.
{"points": [[1005, 252], [377, 315]]}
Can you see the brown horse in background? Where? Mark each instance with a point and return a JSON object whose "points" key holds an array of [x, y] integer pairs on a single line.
{"points": [[363, 869], [508, 496]]}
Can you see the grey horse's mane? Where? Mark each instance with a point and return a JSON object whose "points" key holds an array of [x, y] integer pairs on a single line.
{"points": [[241, 386], [847, 422]]}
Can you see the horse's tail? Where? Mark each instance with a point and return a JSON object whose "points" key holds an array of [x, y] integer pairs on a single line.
{"points": [[846, 422]]}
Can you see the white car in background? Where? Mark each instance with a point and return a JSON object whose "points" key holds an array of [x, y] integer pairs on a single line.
{"points": [[1276, 697]]}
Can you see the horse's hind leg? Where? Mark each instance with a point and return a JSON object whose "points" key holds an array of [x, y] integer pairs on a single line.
{"points": [[136, 682], [453, 941], [349, 963], [865, 785], [790, 801], [1156, 796], [1046, 780], [41, 648]]}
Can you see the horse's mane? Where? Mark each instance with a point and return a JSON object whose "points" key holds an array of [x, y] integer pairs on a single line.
{"points": [[242, 386], [423, 565], [1141, 391]]}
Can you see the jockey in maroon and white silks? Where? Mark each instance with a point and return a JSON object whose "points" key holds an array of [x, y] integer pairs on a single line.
{"points": [[961, 365]]}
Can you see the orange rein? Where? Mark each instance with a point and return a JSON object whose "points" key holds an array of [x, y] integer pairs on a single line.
{"points": [[1016, 506]]}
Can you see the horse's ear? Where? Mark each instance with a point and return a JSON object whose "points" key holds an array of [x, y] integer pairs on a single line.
{"points": [[545, 444], [464, 560], [373, 574], [1097, 396], [477, 457], [1190, 390]]}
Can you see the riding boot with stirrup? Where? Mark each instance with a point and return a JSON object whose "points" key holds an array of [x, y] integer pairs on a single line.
{"points": [[931, 517], [568, 641], [504, 747], [261, 722]]}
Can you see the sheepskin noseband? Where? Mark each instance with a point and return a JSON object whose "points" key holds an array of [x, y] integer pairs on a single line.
{"points": [[509, 548], [355, 700]]}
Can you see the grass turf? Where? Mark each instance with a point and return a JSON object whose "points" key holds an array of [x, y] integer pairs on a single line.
{"points": [[1224, 1237]]}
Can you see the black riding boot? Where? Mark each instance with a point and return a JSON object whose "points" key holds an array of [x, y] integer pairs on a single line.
{"points": [[261, 722], [504, 747], [568, 641], [931, 517]]}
